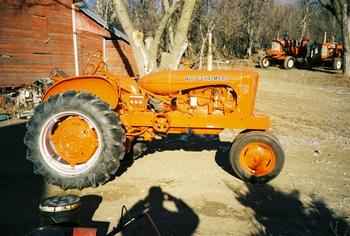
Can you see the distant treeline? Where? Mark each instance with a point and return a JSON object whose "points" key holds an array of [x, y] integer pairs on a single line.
{"points": [[239, 27]]}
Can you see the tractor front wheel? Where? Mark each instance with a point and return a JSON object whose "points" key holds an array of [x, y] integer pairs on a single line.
{"points": [[264, 62], [256, 157], [75, 141], [289, 63]]}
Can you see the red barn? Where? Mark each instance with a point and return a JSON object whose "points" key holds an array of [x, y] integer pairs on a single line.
{"points": [[38, 36]]}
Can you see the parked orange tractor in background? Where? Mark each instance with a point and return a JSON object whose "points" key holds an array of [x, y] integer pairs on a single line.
{"points": [[288, 53], [329, 54], [85, 125], [284, 52]]}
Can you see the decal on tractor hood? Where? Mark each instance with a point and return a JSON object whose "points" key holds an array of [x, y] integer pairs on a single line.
{"points": [[206, 78]]}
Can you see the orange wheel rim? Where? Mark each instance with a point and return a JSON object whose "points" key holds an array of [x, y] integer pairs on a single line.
{"points": [[74, 140], [258, 159]]}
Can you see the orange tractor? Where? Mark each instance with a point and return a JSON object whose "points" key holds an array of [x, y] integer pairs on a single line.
{"points": [[329, 54], [85, 125], [284, 52], [288, 53]]}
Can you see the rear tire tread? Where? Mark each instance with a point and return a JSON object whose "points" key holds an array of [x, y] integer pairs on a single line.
{"points": [[108, 123]]}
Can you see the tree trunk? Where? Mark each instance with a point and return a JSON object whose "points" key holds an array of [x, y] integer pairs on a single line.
{"points": [[135, 37], [346, 39], [154, 47], [250, 48], [250, 40], [172, 59], [201, 54], [305, 20], [146, 52], [210, 51]]}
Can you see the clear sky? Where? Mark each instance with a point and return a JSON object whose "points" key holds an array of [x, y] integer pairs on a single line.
{"points": [[90, 2]]}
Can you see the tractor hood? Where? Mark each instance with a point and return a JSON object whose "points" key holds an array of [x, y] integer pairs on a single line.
{"points": [[171, 82]]}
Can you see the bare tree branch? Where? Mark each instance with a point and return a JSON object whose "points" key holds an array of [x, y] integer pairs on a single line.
{"points": [[181, 33], [136, 37], [153, 51], [333, 7]]}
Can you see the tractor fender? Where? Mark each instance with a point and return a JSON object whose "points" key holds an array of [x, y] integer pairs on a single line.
{"points": [[99, 86]]}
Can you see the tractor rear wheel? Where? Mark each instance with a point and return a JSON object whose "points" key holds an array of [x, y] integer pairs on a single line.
{"points": [[256, 157], [337, 64], [264, 62], [75, 141], [289, 63]]}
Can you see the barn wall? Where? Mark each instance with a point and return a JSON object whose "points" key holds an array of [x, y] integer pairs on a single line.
{"points": [[36, 36], [84, 23], [34, 39], [90, 51], [119, 58], [118, 53]]}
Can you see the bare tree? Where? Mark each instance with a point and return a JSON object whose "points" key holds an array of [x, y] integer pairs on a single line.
{"points": [[146, 49], [306, 6], [340, 9], [205, 39], [252, 14], [159, 29]]}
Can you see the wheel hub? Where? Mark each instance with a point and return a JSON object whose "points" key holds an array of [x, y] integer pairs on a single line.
{"points": [[74, 140], [265, 62], [258, 159], [161, 123], [338, 65], [290, 63]]}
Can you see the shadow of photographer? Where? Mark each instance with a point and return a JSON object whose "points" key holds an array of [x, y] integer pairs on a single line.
{"points": [[21, 189], [160, 220]]}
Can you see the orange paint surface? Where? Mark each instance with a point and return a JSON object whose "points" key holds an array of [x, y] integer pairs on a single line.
{"points": [[258, 159], [74, 140], [203, 102]]}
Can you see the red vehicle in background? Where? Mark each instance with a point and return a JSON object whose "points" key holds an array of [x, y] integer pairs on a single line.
{"points": [[288, 53], [284, 52], [329, 54]]}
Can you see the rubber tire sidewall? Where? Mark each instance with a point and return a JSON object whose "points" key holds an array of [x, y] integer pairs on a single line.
{"points": [[262, 63], [106, 121], [286, 63], [335, 64], [256, 136]]}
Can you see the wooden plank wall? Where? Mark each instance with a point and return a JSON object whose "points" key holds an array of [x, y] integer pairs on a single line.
{"points": [[118, 53], [35, 38], [119, 58], [90, 51]]}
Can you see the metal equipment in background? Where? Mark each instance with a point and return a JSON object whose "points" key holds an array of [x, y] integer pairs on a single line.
{"points": [[19, 102]]}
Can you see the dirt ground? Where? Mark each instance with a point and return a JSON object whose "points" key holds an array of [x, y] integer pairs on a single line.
{"points": [[193, 192]]}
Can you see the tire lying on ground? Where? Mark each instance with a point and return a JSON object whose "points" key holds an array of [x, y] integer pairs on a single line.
{"points": [[289, 63], [256, 157], [75, 141]]}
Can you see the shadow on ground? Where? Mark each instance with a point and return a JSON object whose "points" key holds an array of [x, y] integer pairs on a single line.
{"points": [[89, 204], [194, 143], [153, 216], [21, 190], [280, 213], [322, 69], [197, 144]]}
